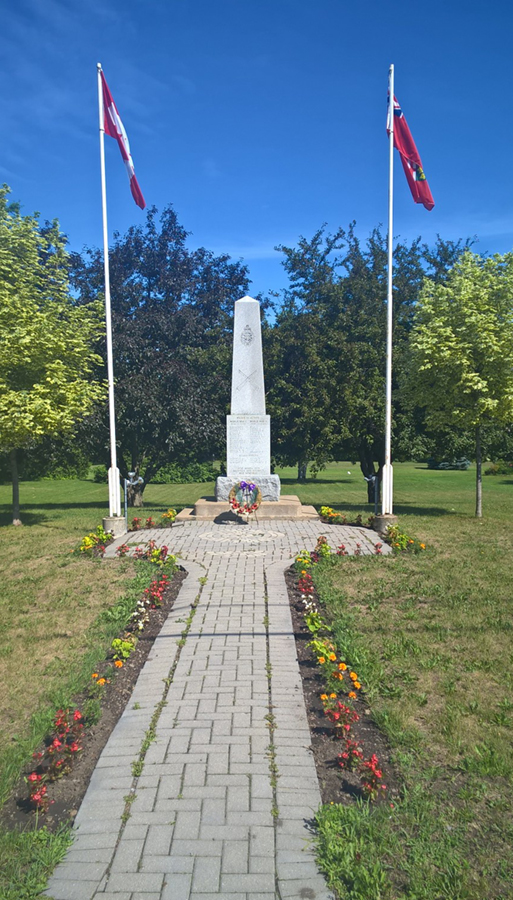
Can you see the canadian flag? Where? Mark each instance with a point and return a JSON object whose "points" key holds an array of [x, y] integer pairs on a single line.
{"points": [[114, 127]]}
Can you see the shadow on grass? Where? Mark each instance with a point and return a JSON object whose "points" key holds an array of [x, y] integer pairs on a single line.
{"points": [[27, 518]]}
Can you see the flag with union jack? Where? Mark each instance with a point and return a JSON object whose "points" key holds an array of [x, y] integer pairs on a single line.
{"points": [[412, 163]]}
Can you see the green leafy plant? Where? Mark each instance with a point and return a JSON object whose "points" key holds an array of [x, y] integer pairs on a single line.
{"points": [[124, 647]]}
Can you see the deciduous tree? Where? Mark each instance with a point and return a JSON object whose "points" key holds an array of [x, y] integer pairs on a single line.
{"points": [[46, 342], [461, 349]]}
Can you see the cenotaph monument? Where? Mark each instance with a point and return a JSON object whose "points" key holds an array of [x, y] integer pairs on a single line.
{"points": [[248, 428], [248, 433]]}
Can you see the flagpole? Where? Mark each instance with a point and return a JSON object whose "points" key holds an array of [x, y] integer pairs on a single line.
{"points": [[113, 476], [388, 475]]}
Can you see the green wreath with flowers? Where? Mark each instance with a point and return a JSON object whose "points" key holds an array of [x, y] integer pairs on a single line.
{"points": [[245, 498]]}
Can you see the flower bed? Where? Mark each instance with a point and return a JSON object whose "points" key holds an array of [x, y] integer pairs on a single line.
{"points": [[342, 694]]}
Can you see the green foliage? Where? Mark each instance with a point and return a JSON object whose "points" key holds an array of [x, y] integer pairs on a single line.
{"points": [[46, 360], [190, 473], [123, 648], [461, 347], [460, 367], [325, 356], [501, 467]]}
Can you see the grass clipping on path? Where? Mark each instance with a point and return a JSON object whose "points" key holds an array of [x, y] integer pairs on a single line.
{"points": [[431, 637]]}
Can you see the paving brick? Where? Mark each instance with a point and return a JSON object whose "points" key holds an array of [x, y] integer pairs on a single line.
{"points": [[59, 889], [177, 887], [135, 881], [247, 883], [235, 857], [127, 856], [206, 874]]}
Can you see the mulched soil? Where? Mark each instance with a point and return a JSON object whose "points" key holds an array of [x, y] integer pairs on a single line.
{"points": [[336, 785], [68, 792]]}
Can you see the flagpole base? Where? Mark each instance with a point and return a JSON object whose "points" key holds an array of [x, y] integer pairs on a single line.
{"points": [[116, 525], [382, 523]]}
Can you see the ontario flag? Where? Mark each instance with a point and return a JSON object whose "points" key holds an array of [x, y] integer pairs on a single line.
{"points": [[412, 163], [114, 127]]}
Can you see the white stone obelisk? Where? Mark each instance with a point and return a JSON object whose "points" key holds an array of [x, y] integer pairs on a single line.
{"points": [[248, 428]]}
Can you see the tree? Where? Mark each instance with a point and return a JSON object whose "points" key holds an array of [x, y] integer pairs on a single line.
{"points": [[460, 367], [172, 336], [46, 355], [335, 314]]}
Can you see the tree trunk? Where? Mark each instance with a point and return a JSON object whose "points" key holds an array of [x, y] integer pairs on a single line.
{"points": [[301, 470], [479, 480], [135, 495], [15, 489], [369, 473]]}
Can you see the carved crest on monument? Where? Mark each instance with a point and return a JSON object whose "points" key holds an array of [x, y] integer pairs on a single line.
{"points": [[247, 336]]}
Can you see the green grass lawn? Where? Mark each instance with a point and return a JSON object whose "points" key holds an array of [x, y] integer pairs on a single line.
{"points": [[430, 634]]}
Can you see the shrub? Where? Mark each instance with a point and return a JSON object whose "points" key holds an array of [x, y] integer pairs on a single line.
{"points": [[501, 467], [99, 474], [187, 474]]}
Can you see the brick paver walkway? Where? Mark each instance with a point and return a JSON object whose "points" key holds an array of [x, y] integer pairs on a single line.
{"points": [[207, 786]]}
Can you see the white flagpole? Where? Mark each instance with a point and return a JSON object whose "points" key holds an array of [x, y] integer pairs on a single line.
{"points": [[388, 475], [114, 492]]}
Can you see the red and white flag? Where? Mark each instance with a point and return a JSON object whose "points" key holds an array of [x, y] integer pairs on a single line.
{"points": [[412, 163], [114, 127]]}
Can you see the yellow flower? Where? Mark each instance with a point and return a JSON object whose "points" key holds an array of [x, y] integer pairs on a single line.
{"points": [[101, 681], [303, 572], [352, 695], [333, 696], [357, 685], [342, 667], [324, 697], [333, 657], [321, 660]]}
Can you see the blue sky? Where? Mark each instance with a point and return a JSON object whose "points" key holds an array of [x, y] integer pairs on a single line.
{"points": [[259, 120]]}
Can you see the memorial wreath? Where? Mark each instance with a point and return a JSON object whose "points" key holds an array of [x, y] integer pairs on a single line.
{"points": [[245, 498]]}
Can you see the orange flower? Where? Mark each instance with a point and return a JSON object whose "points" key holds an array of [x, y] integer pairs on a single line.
{"points": [[94, 675], [357, 685], [353, 676], [352, 695], [321, 660], [333, 696], [324, 697], [303, 571], [337, 675], [333, 657], [342, 667], [101, 681], [422, 546], [118, 664]]}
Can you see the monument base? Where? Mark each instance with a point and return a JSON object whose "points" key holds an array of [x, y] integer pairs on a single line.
{"points": [[269, 486], [208, 509]]}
